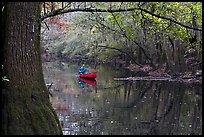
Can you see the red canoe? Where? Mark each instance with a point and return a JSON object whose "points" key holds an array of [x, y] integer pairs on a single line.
{"points": [[88, 81], [88, 75]]}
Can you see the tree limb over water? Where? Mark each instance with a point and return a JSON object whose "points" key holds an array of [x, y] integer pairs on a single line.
{"points": [[122, 52], [143, 50], [64, 10], [176, 22]]}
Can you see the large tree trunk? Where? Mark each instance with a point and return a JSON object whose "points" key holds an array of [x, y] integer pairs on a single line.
{"points": [[25, 101]]}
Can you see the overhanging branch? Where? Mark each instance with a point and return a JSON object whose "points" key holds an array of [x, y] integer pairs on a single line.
{"points": [[162, 17], [61, 11], [124, 34], [121, 52]]}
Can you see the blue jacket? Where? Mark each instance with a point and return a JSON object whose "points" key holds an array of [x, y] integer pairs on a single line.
{"points": [[82, 70]]}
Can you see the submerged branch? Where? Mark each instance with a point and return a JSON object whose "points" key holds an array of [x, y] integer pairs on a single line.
{"points": [[171, 79], [48, 88], [108, 88]]}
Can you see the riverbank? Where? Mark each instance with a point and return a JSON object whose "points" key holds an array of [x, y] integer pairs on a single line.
{"points": [[189, 76], [161, 73]]}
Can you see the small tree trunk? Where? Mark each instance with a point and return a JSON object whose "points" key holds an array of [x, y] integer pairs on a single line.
{"points": [[169, 58], [180, 61]]}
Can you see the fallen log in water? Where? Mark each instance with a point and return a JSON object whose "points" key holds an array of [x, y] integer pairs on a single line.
{"points": [[178, 79]]}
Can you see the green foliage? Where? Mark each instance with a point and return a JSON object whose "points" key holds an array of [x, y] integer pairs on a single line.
{"points": [[4, 78], [122, 29]]}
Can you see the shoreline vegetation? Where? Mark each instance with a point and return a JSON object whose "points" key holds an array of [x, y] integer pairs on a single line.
{"points": [[146, 72]]}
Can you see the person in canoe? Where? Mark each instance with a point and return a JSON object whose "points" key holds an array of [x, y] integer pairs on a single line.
{"points": [[82, 69]]}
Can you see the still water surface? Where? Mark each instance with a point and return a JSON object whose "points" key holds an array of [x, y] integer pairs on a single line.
{"points": [[122, 107]]}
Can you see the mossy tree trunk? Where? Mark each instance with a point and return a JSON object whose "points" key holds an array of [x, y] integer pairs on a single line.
{"points": [[26, 108]]}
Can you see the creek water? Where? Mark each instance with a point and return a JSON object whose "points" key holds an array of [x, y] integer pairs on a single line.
{"points": [[111, 107]]}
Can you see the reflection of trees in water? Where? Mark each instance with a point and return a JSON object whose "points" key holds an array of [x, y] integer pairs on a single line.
{"points": [[165, 101], [197, 114], [138, 93], [167, 109], [146, 108], [126, 107], [136, 107]]}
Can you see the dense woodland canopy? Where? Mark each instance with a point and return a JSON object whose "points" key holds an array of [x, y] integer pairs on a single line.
{"points": [[160, 34]]}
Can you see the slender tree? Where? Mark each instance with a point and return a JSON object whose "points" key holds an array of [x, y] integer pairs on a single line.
{"points": [[26, 108]]}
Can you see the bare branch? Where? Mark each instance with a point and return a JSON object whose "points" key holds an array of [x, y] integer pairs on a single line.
{"points": [[46, 25], [44, 8]]}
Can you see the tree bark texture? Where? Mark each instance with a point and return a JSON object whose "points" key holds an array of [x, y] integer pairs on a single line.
{"points": [[26, 108]]}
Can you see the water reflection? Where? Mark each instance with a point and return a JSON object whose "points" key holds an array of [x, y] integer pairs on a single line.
{"points": [[84, 81], [123, 107]]}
